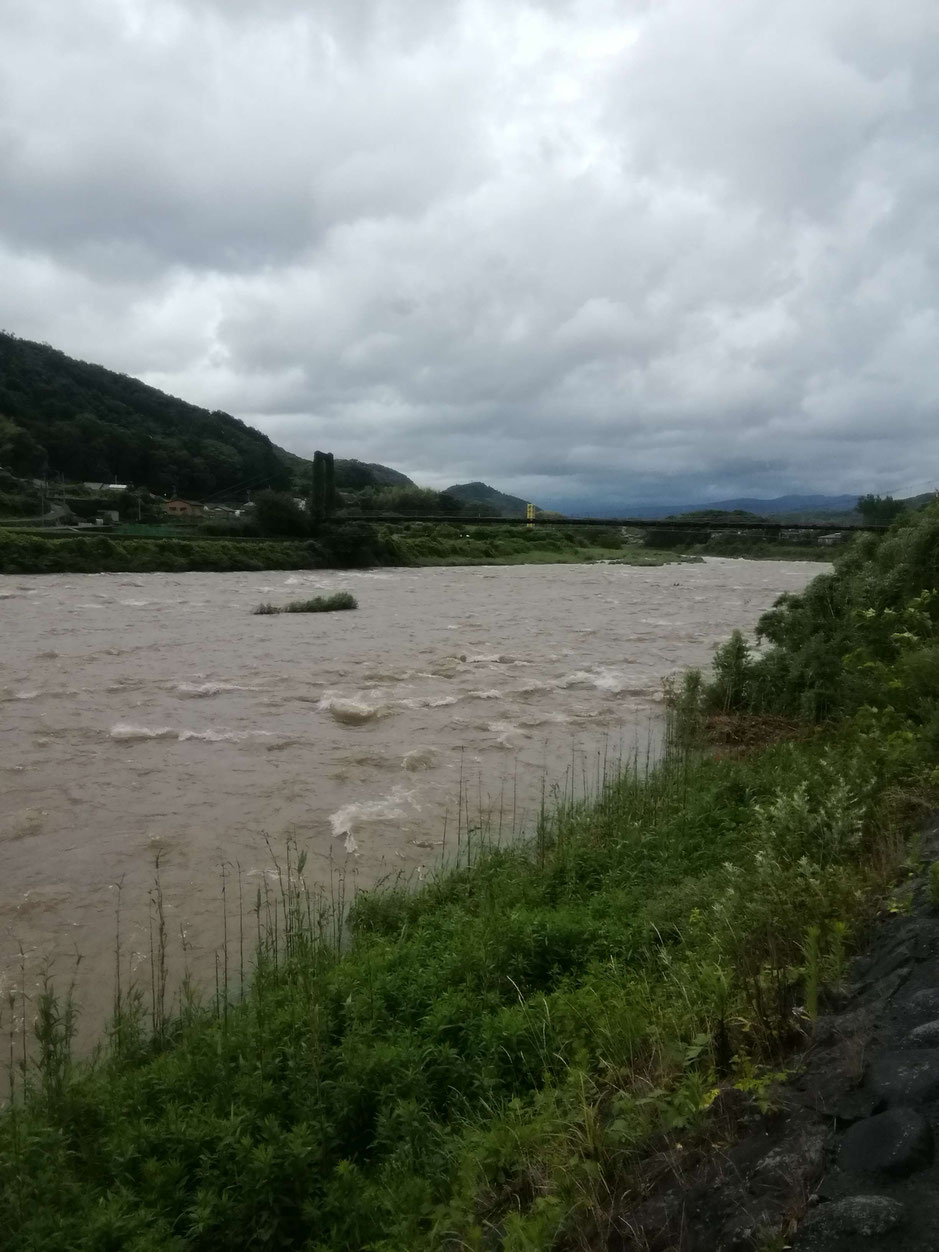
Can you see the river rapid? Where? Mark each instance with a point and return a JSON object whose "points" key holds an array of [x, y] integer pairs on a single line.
{"points": [[153, 715]]}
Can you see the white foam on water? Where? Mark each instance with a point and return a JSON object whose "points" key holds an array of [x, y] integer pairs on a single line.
{"points": [[604, 679], [390, 808], [491, 694], [352, 712], [446, 667], [418, 758], [528, 689], [427, 702], [544, 719], [135, 604], [506, 731], [128, 732], [195, 690], [288, 741], [580, 678]]}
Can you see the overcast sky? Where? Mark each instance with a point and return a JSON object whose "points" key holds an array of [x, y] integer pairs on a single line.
{"points": [[581, 249]]}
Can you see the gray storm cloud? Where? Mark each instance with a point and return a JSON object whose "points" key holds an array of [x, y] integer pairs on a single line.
{"points": [[584, 250]]}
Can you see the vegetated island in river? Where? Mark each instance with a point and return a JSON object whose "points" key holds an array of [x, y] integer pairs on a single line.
{"points": [[526, 1050]]}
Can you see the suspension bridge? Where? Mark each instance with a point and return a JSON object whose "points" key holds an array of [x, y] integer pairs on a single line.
{"points": [[638, 523]]}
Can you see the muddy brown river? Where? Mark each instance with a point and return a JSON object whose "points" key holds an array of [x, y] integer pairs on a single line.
{"points": [[146, 715]]}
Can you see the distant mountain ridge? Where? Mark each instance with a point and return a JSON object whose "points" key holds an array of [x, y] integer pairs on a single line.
{"points": [[776, 507]]}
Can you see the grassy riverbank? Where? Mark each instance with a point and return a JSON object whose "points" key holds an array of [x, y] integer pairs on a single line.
{"points": [[494, 1060], [358, 545], [551, 556], [344, 547], [756, 550], [422, 544]]}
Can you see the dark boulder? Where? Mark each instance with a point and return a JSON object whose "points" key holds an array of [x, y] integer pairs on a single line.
{"points": [[861, 1216], [892, 1144], [906, 1076], [925, 1036]]}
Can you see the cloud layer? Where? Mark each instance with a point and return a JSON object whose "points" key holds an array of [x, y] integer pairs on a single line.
{"points": [[582, 249]]}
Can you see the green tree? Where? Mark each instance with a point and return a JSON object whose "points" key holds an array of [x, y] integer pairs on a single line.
{"points": [[879, 510], [278, 514], [19, 451], [139, 506]]}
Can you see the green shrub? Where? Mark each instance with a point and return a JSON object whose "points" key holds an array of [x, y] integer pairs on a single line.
{"points": [[866, 634], [323, 604]]}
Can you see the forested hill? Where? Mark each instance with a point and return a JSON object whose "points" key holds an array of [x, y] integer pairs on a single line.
{"points": [[59, 415], [470, 494], [62, 416]]}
